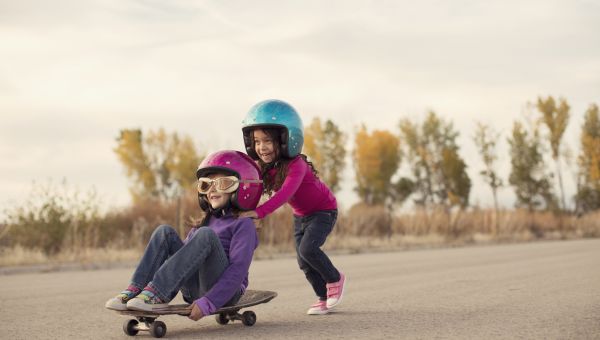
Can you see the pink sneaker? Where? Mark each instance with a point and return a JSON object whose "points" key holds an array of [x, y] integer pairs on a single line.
{"points": [[335, 291], [319, 308]]}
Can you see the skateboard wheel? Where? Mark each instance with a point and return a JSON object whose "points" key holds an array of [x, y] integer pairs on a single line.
{"points": [[248, 318], [222, 318], [158, 329], [130, 327]]}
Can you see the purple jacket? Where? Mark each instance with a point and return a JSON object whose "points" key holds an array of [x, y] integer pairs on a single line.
{"points": [[302, 190], [239, 239]]}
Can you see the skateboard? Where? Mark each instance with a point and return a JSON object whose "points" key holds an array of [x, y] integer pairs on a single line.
{"points": [[146, 321]]}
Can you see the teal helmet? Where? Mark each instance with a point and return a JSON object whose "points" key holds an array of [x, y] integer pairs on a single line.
{"points": [[278, 114]]}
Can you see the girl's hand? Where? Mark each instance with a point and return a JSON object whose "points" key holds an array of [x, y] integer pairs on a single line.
{"points": [[251, 214], [196, 313]]}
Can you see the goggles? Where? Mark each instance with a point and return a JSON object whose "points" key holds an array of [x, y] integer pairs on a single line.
{"points": [[224, 185]]}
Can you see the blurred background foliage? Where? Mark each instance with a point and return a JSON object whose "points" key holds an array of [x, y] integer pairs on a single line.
{"points": [[417, 162]]}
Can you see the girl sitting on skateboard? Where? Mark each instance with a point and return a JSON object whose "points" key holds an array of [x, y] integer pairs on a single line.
{"points": [[210, 266], [273, 135]]}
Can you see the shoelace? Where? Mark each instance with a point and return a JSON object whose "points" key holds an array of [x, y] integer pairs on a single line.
{"points": [[149, 297], [126, 295]]}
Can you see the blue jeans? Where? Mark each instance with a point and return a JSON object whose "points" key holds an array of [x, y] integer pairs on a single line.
{"points": [[310, 233], [169, 265]]}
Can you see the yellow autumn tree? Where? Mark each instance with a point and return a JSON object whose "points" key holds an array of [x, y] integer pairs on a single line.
{"points": [[588, 188], [313, 133], [376, 159], [324, 144], [159, 164]]}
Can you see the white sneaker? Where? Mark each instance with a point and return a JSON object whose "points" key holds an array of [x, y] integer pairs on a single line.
{"points": [[119, 302]]}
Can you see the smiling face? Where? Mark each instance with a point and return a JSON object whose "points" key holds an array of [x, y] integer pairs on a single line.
{"points": [[265, 146], [217, 199]]}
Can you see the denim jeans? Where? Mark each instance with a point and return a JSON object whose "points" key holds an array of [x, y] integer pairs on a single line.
{"points": [[310, 233], [169, 265]]}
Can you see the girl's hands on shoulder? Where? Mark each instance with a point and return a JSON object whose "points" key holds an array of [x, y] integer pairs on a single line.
{"points": [[196, 313], [251, 214]]}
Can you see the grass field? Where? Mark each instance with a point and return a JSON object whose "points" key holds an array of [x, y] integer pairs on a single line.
{"points": [[120, 236]]}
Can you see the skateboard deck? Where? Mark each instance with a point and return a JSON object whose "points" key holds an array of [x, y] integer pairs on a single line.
{"points": [[223, 315]]}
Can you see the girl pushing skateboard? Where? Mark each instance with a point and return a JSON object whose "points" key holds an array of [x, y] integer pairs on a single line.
{"points": [[273, 136]]}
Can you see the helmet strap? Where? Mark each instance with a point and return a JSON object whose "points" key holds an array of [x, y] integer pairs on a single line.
{"points": [[224, 210], [283, 143], [272, 165]]}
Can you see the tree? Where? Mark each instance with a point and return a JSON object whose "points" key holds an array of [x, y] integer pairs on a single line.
{"points": [[485, 139], [325, 145], [160, 164], [531, 184], [131, 154], [556, 119], [376, 159], [438, 172], [588, 188]]}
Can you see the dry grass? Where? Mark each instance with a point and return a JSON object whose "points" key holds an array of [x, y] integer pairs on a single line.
{"points": [[18, 255], [120, 236]]}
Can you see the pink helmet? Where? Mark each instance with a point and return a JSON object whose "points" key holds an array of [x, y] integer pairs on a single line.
{"points": [[240, 165]]}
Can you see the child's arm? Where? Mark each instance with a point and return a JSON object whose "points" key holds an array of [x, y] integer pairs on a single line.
{"points": [[296, 171], [241, 250]]}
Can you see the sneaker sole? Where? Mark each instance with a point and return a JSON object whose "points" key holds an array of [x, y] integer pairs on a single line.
{"points": [[341, 295], [115, 304], [138, 304], [121, 306], [318, 312]]}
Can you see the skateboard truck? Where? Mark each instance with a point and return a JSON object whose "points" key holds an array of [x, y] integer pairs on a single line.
{"points": [[157, 329], [248, 317]]}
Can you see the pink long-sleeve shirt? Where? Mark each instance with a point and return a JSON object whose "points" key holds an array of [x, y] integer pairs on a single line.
{"points": [[302, 190]]}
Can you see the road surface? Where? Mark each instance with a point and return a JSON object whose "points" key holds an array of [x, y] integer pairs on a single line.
{"points": [[548, 290]]}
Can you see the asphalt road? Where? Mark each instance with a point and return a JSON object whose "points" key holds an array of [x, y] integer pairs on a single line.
{"points": [[548, 290]]}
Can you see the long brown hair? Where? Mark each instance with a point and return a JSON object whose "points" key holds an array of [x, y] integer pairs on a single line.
{"points": [[273, 183]]}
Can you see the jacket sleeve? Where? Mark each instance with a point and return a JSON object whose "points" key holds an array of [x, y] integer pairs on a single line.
{"points": [[293, 180], [243, 243]]}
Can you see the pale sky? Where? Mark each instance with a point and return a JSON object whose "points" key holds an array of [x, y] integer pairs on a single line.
{"points": [[75, 72]]}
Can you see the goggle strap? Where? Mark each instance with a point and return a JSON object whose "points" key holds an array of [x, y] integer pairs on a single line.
{"points": [[234, 186]]}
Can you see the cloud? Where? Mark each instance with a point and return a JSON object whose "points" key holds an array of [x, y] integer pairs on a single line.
{"points": [[73, 73]]}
